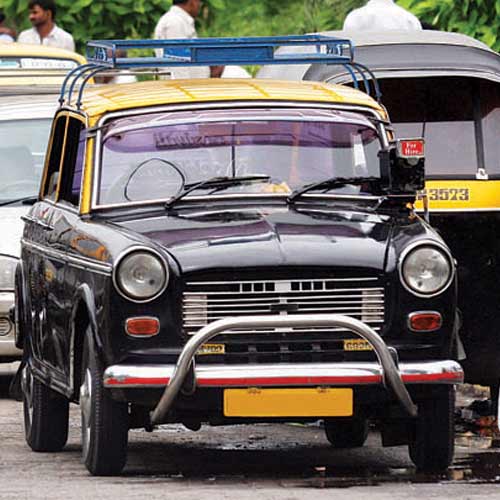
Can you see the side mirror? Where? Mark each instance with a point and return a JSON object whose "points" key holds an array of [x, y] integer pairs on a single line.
{"points": [[403, 167]]}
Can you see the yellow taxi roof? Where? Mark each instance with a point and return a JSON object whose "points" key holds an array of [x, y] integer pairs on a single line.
{"points": [[108, 98]]}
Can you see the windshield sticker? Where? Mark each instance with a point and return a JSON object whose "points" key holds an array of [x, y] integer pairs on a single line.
{"points": [[8, 64], [42, 63]]}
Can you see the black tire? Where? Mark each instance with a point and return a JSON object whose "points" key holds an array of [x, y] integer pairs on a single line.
{"points": [[432, 444], [350, 432], [46, 414], [104, 421]]}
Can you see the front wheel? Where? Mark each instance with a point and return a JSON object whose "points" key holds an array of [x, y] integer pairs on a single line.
{"points": [[46, 414], [432, 443], [348, 432], [104, 421]]}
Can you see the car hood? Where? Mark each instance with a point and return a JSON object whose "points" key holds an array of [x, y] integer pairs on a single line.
{"points": [[11, 229], [215, 239]]}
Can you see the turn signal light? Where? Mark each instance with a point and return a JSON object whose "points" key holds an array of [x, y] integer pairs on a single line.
{"points": [[425, 321], [142, 327]]}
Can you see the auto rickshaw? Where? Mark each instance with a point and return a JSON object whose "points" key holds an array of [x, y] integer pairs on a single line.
{"points": [[445, 87]]}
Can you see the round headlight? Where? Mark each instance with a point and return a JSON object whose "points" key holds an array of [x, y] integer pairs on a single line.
{"points": [[141, 276], [7, 273], [426, 270]]}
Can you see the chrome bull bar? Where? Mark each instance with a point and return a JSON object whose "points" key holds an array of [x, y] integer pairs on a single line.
{"points": [[391, 375]]}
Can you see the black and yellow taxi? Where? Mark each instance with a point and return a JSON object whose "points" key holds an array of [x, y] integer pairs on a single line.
{"points": [[222, 252]]}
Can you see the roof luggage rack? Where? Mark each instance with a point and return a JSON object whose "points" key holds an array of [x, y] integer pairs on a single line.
{"points": [[104, 55]]}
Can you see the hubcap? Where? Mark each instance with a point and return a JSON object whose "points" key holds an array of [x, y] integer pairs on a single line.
{"points": [[27, 387], [86, 410]]}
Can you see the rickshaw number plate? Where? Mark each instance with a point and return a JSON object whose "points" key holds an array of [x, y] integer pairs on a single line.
{"points": [[357, 345], [314, 402]]}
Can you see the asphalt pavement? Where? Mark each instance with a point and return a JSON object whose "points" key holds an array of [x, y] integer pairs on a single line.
{"points": [[264, 462]]}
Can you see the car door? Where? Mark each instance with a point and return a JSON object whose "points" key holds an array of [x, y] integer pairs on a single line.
{"points": [[38, 226], [51, 221]]}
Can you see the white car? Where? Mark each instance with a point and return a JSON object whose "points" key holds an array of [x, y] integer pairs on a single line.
{"points": [[24, 130]]}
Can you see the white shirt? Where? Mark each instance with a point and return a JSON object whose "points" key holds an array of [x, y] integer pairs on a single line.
{"points": [[177, 23], [235, 72], [5, 38], [56, 38], [380, 15]]}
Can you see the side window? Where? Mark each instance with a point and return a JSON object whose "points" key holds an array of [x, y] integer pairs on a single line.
{"points": [[53, 163], [72, 166]]}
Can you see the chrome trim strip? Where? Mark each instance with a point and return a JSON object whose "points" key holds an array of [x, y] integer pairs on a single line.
{"points": [[78, 262], [289, 374], [343, 290], [390, 374], [314, 300], [426, 243], [312, 280]]}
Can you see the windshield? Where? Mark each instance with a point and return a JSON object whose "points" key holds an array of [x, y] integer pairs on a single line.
{"points": [[22, 155], [155, 158]]}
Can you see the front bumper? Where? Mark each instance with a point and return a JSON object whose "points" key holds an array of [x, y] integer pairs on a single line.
{"points": [[8, 349], [186, 375], [283, 375]]}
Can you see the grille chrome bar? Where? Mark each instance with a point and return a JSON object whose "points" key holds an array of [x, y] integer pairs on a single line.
{"points": [[187, 294], [297, 280], [208, 301]]}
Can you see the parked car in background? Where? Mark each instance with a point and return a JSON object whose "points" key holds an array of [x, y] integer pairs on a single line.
{"points": [[24, 131], [233, 251], [26, 64], [30, 81], [446, 87]]}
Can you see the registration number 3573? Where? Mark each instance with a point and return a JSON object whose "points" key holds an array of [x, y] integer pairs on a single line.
{"points": [[449, 194]]}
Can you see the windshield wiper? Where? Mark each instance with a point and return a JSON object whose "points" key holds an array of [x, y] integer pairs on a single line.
{"points": [[331, 183], [217, 183], [26, 200]]}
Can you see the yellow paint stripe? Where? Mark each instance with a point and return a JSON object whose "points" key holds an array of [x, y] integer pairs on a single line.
{"points": [[87, 178], [462, 195]]}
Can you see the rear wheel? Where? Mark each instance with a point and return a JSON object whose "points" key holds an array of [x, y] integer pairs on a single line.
{"points": [[104, 421], [348, 432], [432, 443], [46, 414]]}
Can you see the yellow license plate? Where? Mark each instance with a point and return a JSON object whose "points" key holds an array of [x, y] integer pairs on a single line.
{"points": [[316, 402], [207, 349], [357, 345]]}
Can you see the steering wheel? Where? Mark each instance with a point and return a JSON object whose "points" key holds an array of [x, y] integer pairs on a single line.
{"points": [[145, 163], [26, 186]]}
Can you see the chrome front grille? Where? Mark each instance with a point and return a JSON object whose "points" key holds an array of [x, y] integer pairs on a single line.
{"points": [[208, 301]]}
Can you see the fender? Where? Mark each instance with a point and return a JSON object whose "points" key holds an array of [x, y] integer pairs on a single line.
{"points": [[86, 295]]}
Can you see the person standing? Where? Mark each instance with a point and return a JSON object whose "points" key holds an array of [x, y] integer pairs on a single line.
{"points": [[6, 34], [45, 31], [179, 22], [380, 15]]}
